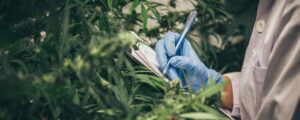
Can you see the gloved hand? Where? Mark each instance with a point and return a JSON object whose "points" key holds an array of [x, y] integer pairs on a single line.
{"points": [[186, 65]]}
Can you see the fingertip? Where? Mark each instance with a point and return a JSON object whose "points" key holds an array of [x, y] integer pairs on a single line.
{"points": [[176, 36], [172, 74], [159, 44], [176, 61], [172, 35], [169, 33], [173, 60]]}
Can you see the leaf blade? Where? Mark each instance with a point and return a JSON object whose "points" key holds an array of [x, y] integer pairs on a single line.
{"points": [[212, 13], [134, 5], [76, 99], [152, 10], [199, 115], [109, 2], [144, 15]]}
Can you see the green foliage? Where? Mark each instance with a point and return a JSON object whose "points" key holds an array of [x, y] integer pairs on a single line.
{"points": [[110, 4], [79, 70], [181, 104], [144, 15]]}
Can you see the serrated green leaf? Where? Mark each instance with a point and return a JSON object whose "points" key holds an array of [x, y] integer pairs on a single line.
{"points": [[134, 5], [109, 2], [144, 15]]}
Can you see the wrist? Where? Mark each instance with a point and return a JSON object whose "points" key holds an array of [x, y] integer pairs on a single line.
{"points": [[227, 94], [214, 75]]}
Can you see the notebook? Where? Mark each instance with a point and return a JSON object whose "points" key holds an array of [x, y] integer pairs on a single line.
{"points": [[146, 56]]}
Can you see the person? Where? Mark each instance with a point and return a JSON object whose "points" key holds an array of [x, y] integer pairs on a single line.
{"points": [[267, 88]]}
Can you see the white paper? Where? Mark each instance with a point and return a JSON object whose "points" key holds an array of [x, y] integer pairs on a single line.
{"points": [[146, 56]]}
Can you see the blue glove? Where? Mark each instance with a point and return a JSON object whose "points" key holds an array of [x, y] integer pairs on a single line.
{"points": [[185, 65]]}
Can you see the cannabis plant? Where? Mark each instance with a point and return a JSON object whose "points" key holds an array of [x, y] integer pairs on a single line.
{"points": [[66, 59]]}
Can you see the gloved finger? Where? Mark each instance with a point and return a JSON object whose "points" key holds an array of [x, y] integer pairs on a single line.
{"points": [[181, 62], [161, 54], [170, 43], [188, 50], [162, 60], [172, 73]]}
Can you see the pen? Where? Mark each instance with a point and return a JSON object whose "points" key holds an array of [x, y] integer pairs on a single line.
{"points": [[186, 29]]}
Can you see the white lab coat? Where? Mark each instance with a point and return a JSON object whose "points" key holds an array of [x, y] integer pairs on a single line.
{"points": [[268, 87]]}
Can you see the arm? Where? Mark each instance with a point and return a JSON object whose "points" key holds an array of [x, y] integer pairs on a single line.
{"points": [[231, 100]]}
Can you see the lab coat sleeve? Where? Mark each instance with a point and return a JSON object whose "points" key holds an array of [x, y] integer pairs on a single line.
{"points": [[281, 88], [235, 78]]}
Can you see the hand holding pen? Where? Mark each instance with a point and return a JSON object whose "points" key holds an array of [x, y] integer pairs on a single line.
{"points": [[177, 58], [186, 29]]}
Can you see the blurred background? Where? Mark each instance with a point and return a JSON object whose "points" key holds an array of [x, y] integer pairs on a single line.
{"points": [[222, 31], [64, 59]]}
